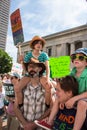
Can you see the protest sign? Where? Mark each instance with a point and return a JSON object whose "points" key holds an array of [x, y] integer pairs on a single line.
{"points": [[16, 67], [60, 66], [9, 89], [16, 25]]}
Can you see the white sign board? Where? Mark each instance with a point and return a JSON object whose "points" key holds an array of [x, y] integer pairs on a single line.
{"points": [[17, 68]]}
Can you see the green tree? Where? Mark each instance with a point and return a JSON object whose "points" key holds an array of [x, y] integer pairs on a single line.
{"points": [[5, 62]]}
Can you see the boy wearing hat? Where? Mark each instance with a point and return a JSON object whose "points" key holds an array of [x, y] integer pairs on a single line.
{"points": [[34, 97], [79, 60], [37, 55]]}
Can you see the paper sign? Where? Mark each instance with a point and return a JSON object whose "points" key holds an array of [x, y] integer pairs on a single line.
{"points": [[16, 25], [16, 67], [9, 89], [60, 66]]}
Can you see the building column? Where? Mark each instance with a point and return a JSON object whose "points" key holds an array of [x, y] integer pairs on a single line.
{"points": [[63, 51], [84, 44], [72, 48]]}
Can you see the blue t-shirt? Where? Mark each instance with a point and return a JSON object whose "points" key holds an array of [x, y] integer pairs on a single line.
{"points": [[42, 57], [64, 119]]}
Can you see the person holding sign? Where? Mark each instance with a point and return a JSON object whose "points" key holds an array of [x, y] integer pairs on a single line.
{"points": [[37, 43], [15, 78]]}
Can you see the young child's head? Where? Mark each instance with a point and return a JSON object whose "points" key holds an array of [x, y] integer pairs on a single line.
{"points": [[79, 57], [35, 40], [66, 88]]}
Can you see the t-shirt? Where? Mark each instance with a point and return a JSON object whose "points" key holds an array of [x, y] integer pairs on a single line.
{"points": [[42, 57], [10, 109], [64, 119], [1, 100], [82, 80]]}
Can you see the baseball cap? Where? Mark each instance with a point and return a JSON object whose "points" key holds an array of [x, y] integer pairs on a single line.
{"points": [[15, 74], [81, 50]]}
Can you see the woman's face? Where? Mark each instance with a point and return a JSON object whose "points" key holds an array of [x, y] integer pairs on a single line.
{"points": [[38, 46], [62, 95]]}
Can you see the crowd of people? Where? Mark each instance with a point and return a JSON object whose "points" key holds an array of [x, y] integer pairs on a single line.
{"points": [[37, 102]]}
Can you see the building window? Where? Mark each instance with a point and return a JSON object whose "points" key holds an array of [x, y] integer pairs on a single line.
{"points": [[49, 51], [78, 44]]}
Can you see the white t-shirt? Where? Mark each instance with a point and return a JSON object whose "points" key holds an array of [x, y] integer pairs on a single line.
{"points": [[1, 100]]}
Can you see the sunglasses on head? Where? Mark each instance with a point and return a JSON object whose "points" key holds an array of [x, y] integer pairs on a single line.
{"points": [[81, 58]]}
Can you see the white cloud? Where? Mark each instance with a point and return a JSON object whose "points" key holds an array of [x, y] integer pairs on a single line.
{"points": [[11, 49]]}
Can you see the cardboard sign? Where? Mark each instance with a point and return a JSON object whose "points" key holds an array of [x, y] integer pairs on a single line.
{"points": [[60, 66], [9, 89], [16, 67], [16, 25]]}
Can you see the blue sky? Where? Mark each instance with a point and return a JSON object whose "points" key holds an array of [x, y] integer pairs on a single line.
{"points": [[44, 17]]}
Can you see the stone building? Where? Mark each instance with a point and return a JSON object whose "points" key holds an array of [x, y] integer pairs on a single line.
{"points": [[62, 43]]}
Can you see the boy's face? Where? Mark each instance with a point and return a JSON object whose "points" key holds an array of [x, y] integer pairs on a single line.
{"points": [[79, 60], [62, 95]]}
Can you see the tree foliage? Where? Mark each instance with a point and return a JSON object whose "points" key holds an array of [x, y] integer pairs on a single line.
{"points": [[5, 62]]}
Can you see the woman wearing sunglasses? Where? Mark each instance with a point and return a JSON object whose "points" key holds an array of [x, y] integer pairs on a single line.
{"points": [[79, 60]]}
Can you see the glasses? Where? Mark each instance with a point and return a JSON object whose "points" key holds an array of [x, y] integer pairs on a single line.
{"points": [[81, 58]]}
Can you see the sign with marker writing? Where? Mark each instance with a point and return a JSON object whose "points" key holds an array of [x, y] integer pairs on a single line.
{"points": [[9, 89], [60, 66]]}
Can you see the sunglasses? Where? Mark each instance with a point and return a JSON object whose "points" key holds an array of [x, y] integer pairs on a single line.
{"points": [[81, 58]]}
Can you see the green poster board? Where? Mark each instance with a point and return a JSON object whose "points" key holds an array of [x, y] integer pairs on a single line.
{"points": [[60, 66]]}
